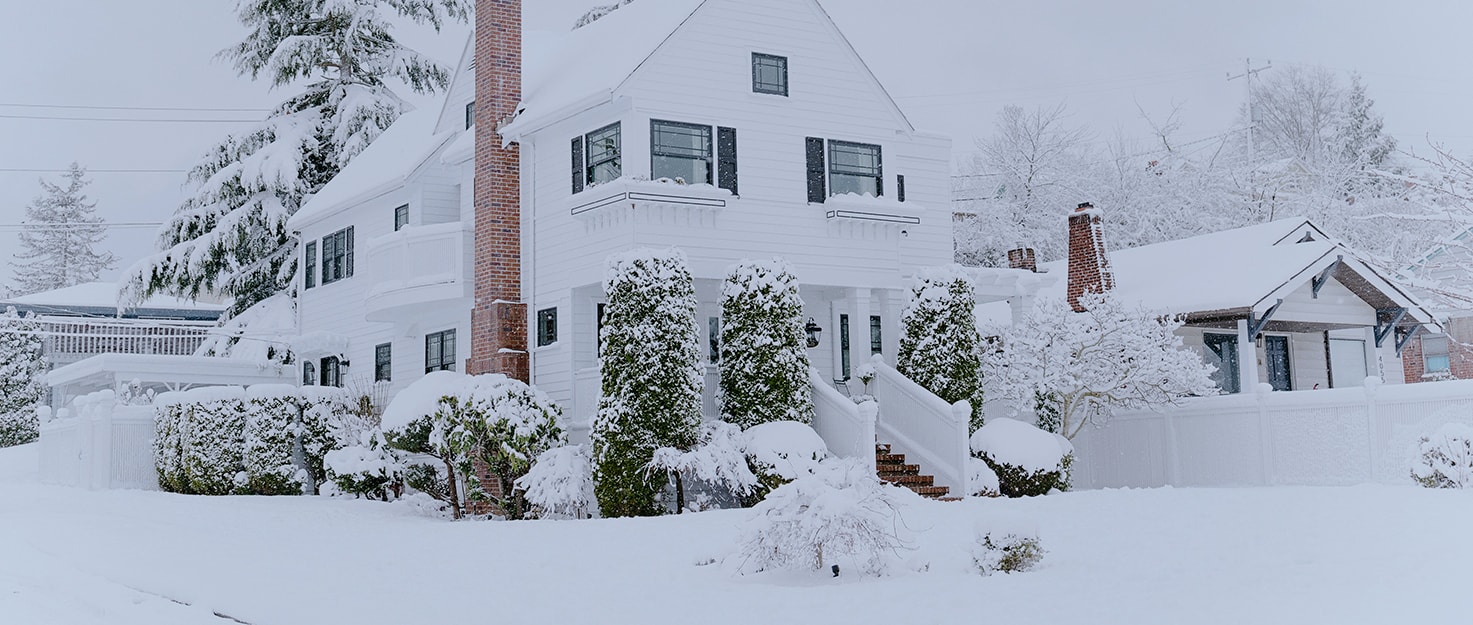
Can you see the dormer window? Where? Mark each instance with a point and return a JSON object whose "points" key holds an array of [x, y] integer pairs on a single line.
{"points": [[769, 74], [597, 157]]}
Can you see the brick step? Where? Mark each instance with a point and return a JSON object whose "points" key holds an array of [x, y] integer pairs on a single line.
{"points": [[889, 458], [882, 448], [898, 469], [910, 480], [934, 492]]}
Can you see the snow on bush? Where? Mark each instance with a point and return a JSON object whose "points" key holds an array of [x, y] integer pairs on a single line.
{"points": [[560, 483], [1014, 549], [504, 424], [22, 388], [214, 447], [764, 356], [171, 420], [981, 479], [272, 427], [1067, 367], [780, 452], [369, 468], [940, 346], [1027, 461], [1446, 458], [718, 461], [841, 514], [653, 376], [332, 418]]}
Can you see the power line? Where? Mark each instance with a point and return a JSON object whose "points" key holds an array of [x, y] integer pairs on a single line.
{"points": [[74, 226], [122, 119], [24, 170], [134, 108]]}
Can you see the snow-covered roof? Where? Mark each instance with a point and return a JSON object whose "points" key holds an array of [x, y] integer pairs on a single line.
{"points": [[101, 298], [563, 68], [1239, 270], [385, 165]]}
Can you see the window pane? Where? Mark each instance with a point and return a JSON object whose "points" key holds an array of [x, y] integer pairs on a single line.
{"points": [[680, 152], [769, 74], [713, 338], [1437, 364], [854, 168], [603, 154]]}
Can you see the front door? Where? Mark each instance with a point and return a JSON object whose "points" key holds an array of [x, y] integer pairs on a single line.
{"points": [[1276, 352], [1222, 353]]}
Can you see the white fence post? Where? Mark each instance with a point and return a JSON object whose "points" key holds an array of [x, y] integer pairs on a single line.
{"points": [[1265, 433]]}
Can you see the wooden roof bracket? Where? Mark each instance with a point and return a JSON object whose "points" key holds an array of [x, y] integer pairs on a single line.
{"points": [[1405, 337], [1318, 282], [1256, 325], [1385, 330]]}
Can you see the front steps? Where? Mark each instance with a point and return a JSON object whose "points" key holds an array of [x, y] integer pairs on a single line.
{"points": [[893, 469]]}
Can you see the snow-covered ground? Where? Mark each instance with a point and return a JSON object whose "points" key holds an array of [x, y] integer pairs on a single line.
{"points": [[1371, 554]]}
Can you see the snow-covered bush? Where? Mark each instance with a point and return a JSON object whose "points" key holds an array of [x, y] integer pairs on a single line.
{"points": [[332, 418], [272, 426], [780, 452], [1026, 461], [504, 424], [560, 484], [718, 461], [214, 446], [653, 376], [840, 514], [982, 481], [369, 469], [1007, 552], [171, 422], [415, 424], [1078, 368], [21, 384], [940, 347], [1445, 458], [764, 357]]}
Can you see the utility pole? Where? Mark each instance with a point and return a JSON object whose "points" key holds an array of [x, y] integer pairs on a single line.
{"points": [[1249, 73]]}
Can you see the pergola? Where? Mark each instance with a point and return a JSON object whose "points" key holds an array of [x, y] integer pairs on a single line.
{"points": [[158, 373]]}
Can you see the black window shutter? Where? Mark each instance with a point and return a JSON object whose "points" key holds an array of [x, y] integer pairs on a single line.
{"points": [[348, 260], [900, 187], [816, 189], [879, 174], [726, 159], [578, 165]]}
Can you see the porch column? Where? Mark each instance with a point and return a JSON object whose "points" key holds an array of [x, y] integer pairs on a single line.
{"points": [[859, 343], [892, 302], [1247, 359]]}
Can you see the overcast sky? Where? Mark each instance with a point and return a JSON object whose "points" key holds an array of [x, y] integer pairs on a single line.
{"points": [[950, 63]]}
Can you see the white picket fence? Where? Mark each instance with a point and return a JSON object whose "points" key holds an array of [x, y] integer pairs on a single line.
{"points": [[1322, 437], [99, 444]]}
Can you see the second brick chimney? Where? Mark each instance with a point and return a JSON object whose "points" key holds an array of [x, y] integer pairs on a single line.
{"points": [[499, 319], [1089, 265], [1023, 258]]}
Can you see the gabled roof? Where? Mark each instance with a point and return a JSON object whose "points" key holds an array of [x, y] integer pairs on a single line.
{"points": [[385, 165], [1242, 270]]}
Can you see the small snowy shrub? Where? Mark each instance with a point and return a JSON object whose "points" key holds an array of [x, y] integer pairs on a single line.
{"points": [[332, 418], [215, 444], [272, 424], [941, 348], [369, 469], [1446, 458], [171, 419], [981, 479], [1008, 553], [653, 377], [560, 484], [764, 357], [504, 424], [1027, 461], [22, 388], [416, 424], [719, 461], [780, 452], [841, 514]]}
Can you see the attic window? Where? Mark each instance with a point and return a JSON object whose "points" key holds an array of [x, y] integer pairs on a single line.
{"points": [[769, 74]]}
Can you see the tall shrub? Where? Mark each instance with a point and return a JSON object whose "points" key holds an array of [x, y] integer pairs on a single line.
{"points": [[940, 347], [273, 423], [215, 444], [652, 377], [170, 431], [764, 360], [21, 385], [506, 425]]}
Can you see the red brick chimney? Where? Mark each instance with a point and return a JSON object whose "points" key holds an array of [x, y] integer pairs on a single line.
{"points": [[1023, 258], [499, 319], [1089, 265]]}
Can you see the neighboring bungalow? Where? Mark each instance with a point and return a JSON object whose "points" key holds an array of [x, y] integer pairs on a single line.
{"points": [[1301, 309], [1443, 278]]}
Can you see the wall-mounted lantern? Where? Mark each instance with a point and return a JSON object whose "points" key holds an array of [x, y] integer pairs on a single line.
{"points": [[814, 332]]}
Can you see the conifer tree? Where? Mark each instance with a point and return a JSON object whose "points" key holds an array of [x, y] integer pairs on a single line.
{"points": [[230, 236], [764, 361], [21, 386], [58, 242], [941, 348], [652, 377]]}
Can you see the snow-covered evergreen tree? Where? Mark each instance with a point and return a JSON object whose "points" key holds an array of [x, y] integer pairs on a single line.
{"points": [[21, 387], [596, 13], [653, 377], [1085, 366], [230, 235], [940, 347], [58, 243], [764, 360]]}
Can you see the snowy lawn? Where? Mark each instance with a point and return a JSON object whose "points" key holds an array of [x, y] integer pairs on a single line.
{"points": [[1290, 555]]}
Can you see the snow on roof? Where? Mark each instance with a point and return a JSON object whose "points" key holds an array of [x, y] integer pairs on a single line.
{"points": [[104, 295], [562, 68], [387, 162], [1232, 269]]}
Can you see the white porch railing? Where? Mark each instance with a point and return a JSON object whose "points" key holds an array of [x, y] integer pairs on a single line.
{"points": [[1321, 437], [923, 426], [846, 428], [99, 444]]}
